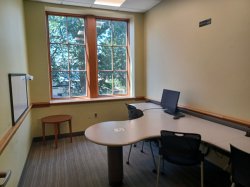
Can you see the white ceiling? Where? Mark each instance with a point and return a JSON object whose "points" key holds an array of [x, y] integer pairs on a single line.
{"points": [[128, 5]]}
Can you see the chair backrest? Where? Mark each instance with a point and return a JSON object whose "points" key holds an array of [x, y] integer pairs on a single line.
{"points": [[240, 166], [181, 148], [133, 112]]}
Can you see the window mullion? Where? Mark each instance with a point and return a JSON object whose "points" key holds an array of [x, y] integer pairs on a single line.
{"points": [[112, 54], [128, 59], [91, 57], [67, 44]]}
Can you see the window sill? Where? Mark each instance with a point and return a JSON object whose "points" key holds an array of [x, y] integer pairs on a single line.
{"points": [[83, 100]]}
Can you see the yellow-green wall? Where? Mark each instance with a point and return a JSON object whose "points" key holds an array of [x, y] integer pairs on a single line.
{"points": [[15, 154], [209, 65], [13, 55], [38, 48], [13, 59], [23, 49], [83, 114]]}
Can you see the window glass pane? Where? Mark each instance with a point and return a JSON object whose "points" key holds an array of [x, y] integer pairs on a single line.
{"points": [[59, 57], [120, 58], [104, 55], [112, 56], [103, 32], [68, 56], [75, 30], [57, 29], [119, 32], [60, 84], [77, 57], [78, 83], [105, 83], [120, 83]]}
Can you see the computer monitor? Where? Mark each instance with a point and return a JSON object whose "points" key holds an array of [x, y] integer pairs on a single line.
{"points": [[169, 101]]}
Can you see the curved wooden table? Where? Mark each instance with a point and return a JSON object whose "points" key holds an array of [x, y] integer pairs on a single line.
{"points": [[115, 134], [56, 120]]}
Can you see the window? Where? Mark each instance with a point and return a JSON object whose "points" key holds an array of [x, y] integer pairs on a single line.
{"points": [[112, 57], [67, 56], [88, 56]]}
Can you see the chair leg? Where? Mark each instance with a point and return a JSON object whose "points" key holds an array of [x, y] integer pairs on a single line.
{"points": [[142, 147], [202, 173], [158, 171], [129, 153], [151, 149], [231, 179], [163, 166]]}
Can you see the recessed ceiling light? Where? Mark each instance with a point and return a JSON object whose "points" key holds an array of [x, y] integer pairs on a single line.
{"points": [[117, 3]]}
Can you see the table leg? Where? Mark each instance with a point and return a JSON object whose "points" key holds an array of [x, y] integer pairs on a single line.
{"points": [[115, 165], [43, 129], [70, 130], [56, 127]]}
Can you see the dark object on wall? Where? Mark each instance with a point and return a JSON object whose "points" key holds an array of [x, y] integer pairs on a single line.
{"points": [[205, 22], [18, 95]]}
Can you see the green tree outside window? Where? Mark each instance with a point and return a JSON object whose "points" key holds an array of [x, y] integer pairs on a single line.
{"points": [[68, 65]]}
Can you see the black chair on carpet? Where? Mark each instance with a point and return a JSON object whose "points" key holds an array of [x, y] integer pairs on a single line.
{"points": [[134, 113], [181, 149], [240, 162]]}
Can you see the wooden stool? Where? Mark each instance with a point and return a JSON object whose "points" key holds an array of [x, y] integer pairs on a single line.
{"points": [[56, 120]]}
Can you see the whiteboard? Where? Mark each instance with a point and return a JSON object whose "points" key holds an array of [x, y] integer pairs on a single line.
{"points": [[18, 96]]}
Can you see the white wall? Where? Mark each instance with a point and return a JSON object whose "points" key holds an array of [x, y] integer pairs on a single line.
{"points": [[209, 65]]}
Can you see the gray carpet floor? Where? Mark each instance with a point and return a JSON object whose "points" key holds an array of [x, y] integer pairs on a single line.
{"points": [[84, 164]]}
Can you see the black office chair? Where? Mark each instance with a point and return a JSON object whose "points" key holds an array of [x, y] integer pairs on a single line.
{"points": [[181, 149], [240, 162], [134, 113]]}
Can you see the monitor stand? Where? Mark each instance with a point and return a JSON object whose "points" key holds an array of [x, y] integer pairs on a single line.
{"points": [[176, 115], [248, 134], [169, 112]]}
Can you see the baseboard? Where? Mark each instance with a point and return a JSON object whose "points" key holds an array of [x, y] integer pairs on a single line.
{"points": [[64, 135]]}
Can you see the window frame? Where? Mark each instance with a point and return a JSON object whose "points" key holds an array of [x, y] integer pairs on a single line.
{"points": [[91, 59]]}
